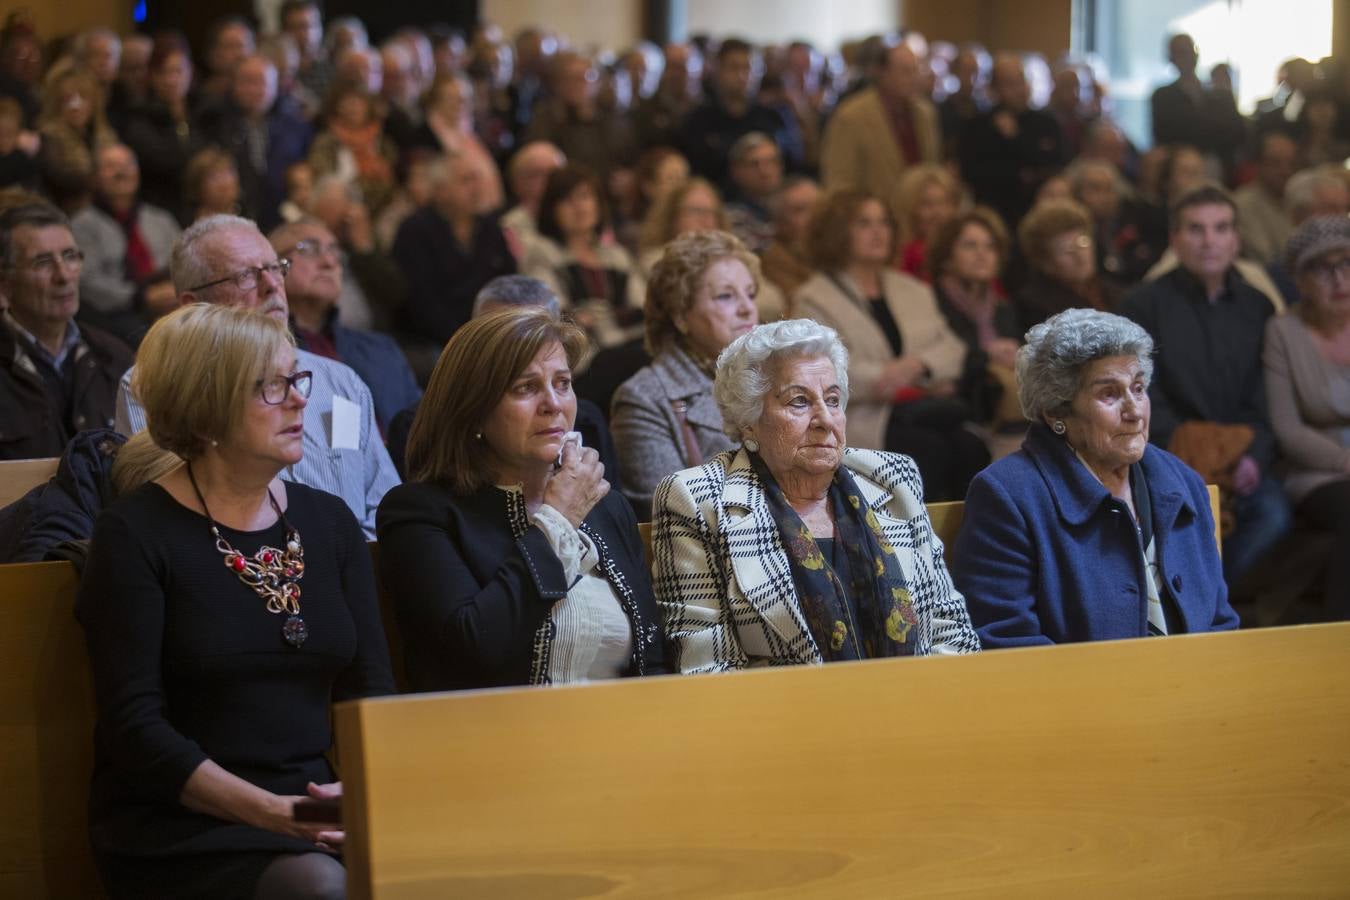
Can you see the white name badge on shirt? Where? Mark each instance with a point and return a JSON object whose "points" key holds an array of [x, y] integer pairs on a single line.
{"points": [[346, 424]]}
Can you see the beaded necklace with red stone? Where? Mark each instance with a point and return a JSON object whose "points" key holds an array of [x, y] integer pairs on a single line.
{"points": [[271, 573]]}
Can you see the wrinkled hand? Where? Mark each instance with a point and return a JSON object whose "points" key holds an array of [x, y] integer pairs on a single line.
{"points": [[1246, 476], [578, 485]]}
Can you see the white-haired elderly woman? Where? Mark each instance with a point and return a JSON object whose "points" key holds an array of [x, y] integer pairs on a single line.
{"points": [[792, 548], [1088, 532]]}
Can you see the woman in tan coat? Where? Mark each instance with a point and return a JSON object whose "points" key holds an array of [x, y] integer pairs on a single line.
{"points": [[904, 360]]}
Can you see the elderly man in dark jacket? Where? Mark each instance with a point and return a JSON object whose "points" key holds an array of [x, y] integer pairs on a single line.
{"points": [[56, 378]]}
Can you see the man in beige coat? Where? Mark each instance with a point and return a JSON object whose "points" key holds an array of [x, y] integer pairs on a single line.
{"points": [[880, 131]]}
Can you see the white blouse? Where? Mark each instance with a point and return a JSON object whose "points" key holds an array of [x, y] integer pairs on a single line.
{"points": [[593, 637]]}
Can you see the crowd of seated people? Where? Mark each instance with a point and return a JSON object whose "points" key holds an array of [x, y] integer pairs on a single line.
{"points": [[773, 299]]}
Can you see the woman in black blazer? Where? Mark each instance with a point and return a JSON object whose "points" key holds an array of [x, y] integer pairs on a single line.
{"points": [[509, 560]]}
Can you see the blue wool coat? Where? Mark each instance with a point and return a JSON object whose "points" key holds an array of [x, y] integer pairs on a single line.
{"points": [[1046, 555]]}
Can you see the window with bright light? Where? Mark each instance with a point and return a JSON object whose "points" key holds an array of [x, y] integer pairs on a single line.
{"points": [[1253, 36]]}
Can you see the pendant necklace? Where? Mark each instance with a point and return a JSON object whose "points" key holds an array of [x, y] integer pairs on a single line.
{"points": [[271, 573]]}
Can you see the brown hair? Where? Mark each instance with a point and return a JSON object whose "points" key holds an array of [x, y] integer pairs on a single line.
{"points": [[476, 369], [1205, 194], [659, 225], [199, 168], [829, 234], [913, 183], [1047, 221], [561, 183], [93, 95], [675, 280], [944, 242]]}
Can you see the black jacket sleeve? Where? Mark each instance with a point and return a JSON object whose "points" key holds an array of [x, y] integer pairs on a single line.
{"points": [[462, 582]]}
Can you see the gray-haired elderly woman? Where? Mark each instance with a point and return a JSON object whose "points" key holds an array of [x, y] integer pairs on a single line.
{"points": [[793, 548], [1088, 532]]}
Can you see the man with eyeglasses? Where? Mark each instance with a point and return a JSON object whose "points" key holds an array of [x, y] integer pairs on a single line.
{"points": [[56, 378], [225, 259], [1208, 324], [313, 286]]}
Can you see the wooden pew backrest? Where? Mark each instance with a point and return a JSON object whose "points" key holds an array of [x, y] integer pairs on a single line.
{"points": [[1202, 765], [19, 476], [46, 735]]}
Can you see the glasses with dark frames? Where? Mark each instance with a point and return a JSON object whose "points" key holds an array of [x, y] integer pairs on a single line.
{"points": [[275, 390]]}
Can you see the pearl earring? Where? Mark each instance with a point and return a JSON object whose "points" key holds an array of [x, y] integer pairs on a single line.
{"points": [[751, 444], [478, 435], [1059, 427]]}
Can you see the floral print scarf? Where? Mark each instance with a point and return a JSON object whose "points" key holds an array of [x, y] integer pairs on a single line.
{"points": [[864, 612]]}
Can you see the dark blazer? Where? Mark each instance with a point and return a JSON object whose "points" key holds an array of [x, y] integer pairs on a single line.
{"points": [[28, 427], [442, 275], [1005, 173], [1047, 556], [288, 138], [474, 582]]}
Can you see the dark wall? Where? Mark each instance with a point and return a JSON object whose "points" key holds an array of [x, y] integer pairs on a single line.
{"points": [[388, 16]]}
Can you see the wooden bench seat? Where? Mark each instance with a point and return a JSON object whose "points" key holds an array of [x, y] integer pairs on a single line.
{"points": [[47, 722], [1198, 766]]}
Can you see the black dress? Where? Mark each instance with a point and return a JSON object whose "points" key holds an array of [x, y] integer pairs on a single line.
{"points": [[188, 665]]}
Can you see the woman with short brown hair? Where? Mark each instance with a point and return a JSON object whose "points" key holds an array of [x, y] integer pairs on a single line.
{"points": [[904, 360], [965, 259], [700, 298], [509, 560]]}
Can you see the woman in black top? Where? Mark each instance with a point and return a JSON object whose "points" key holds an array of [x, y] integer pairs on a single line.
{"points": [[224, 610], [160, 129], [510, 560]]}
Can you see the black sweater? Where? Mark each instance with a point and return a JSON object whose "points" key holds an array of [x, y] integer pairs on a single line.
{"points": [[1208, 361], [189, 665]]}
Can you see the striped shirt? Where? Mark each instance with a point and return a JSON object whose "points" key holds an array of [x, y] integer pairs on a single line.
{"points": [[360, 476]]}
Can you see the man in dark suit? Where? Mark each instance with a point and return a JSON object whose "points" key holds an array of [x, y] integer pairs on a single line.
{"points": [[1008, 152], [1188, 112], [731, 113], [264, 134]]}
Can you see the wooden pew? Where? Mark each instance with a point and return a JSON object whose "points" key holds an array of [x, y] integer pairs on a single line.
{"points": [[46, 736], [19, 476], [47, 722], [1205, 765]]}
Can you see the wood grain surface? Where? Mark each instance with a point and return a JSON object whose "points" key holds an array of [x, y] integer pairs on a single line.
{"points": [[46, 736], [1207, 765]]}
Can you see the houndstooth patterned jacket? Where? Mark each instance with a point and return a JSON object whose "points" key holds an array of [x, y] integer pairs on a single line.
{"points": [[721, 574]]}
